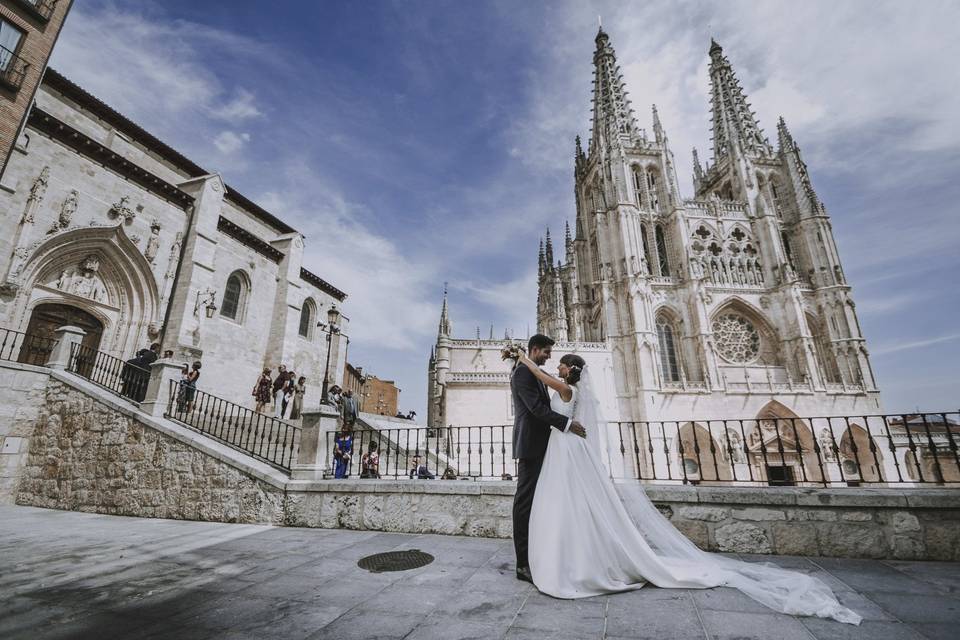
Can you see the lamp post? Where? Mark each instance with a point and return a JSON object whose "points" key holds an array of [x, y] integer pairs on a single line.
{"points": [[208, 303], [330, 328]]}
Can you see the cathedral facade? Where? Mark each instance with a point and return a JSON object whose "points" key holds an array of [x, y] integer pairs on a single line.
{"points": [[728, 305], [714, 306], [109, 229]]}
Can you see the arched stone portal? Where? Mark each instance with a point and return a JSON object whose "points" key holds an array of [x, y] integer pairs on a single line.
{"points": [[782, 449], [99, 271]]}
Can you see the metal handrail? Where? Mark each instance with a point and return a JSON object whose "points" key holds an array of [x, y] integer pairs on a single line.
{"points": [[13, 69], [18, 346], [113, 374], [264, 437]]}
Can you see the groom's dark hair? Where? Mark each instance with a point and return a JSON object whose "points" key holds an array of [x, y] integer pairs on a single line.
{"points": [[539, 341]]}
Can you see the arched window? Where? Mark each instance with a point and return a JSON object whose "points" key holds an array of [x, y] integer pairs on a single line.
{"points": [[662, 251], [234, 296], [821, 341], [638, 186], [652, 188], [786, 248], [669, 364], [307, 314], [594, 249]]}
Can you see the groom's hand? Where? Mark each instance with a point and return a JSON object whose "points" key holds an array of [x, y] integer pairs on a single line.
{"points": [[577, 429]]}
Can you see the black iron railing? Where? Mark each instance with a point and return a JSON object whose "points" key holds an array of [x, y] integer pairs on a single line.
{"points": [[122, 378], [460, 452], [264, 437], [873, 450], [824, 451], [24, 347], [13, 69], [40, 9]]}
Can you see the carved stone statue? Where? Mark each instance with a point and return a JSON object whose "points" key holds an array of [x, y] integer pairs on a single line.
{"points": [[153, 242], [37, 191], [67, 209], [84, 280]]}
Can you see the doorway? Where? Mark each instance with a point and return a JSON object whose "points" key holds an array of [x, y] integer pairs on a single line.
{"points": [[780, 476], [46, 319]]}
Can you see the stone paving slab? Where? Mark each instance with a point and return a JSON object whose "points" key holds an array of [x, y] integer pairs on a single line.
{"points": [[67, 575]]}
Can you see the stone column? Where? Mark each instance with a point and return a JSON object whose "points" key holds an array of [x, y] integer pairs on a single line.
{"points": [[66, 337], [316, 444], [157, 399]]}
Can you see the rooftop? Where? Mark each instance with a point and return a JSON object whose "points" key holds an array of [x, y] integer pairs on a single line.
{"points": [[68, 574]]}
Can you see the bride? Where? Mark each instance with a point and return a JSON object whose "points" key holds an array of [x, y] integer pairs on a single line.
{"points": [[591, 536]]}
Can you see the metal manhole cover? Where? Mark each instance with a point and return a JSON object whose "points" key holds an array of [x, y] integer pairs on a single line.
{"points": [[395, 561]]}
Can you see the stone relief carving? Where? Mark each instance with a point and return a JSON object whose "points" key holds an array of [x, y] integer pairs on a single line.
{"points": [[122, 209], [83, 280], [37, 191], [135, 239], [67, 209], [153, 242], [171, 264]]}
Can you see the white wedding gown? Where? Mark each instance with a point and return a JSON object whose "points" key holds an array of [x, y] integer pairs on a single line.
{"points": [[591, 536]]}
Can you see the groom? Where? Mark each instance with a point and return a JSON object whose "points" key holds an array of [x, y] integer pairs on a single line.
{"points": [[533, 418]]}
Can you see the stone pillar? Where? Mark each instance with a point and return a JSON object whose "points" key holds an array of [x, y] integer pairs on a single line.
{"points": [[157, 399], [66, 337], [316, 444]]}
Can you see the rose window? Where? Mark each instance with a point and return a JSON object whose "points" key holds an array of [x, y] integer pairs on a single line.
{"points": [[736, 338]]}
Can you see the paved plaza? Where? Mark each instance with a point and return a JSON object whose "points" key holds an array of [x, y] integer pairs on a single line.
{"points": [[78, 575]]}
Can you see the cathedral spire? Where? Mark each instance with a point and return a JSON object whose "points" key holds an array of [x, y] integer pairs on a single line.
{"points": [[548, 254], [798, 168], [783, 135], [735, 126], [568, 241], [445, 328], [612, 115], [541, 260], [697, 168], [657, 127]]}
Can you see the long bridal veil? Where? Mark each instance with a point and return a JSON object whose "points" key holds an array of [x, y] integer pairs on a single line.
{"points": [[782, 590]]}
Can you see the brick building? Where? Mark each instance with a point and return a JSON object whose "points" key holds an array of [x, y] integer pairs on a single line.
{"points": [[381, 397], [28, 31]]}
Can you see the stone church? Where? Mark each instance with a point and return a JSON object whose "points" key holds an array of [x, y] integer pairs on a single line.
{"points": [[729, 304], [109, 229]]}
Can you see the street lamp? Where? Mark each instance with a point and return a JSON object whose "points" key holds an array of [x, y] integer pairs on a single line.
{"points": [[209, 303], [330, 328]]}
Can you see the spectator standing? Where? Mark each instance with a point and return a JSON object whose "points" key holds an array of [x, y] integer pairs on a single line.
{"points": [[278, 383], [190, 387], [420, 471], [182, 388], [286, 401], [342, 452], [262, 390], [136, 372], [299, 390], [349, 408], [370, 462]]}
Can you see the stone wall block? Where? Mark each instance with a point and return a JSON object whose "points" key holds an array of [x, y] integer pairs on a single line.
{"points": [[697, 531], [851, 540], [741, 537], [856, 516], [757, 514], [795, 539], [707, 514]]}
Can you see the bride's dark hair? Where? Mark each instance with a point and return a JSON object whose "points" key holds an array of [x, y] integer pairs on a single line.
{"points": [[576, 364]]}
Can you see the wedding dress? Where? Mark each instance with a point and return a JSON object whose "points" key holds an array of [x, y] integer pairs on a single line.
{"points": [[590, 536]]}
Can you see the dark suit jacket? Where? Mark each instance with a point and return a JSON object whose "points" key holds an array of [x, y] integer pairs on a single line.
{"points": [[533, 416]]}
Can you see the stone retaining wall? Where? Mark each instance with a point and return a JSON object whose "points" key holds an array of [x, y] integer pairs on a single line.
{"points": [[903, 524], [91, 451], [22, 395], [88, 456]]}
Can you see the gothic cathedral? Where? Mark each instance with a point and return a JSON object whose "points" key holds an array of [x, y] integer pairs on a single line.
{"points": [[713, 306]]}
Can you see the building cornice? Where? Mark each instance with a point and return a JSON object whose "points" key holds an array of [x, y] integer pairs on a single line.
{"points": [[41, 121], [322, 284], [248, 239]]}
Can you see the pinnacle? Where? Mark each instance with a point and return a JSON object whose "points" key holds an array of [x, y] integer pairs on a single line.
{"points": [[715, 47]]}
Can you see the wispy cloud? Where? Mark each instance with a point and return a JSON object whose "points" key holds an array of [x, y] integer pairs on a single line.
{"points": [[914, 344], [229, 142]]}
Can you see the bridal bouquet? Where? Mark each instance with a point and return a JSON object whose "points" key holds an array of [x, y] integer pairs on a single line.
{"points": [[512, 351]]}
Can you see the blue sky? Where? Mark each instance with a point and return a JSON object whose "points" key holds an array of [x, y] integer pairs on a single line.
{"points": [[421, 142]]}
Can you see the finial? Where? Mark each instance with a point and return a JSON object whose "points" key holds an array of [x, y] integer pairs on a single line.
{"points": [[715, 47]]}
